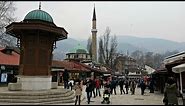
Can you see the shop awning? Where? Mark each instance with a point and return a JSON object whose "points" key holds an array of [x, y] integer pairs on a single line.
{"points": [[179, 68], [106, 74], [54, 69]]}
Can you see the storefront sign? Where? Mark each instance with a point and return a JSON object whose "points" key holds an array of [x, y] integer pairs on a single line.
{"points": [[4, 77]]}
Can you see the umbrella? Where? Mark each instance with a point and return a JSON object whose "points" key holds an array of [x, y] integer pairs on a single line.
{"points": [[179, 68]]}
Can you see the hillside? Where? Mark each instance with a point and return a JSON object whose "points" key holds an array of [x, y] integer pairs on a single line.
{"points": [[125, 43]]}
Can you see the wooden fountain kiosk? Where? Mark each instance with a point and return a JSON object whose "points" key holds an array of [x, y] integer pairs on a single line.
{"points": [[37, 35]]}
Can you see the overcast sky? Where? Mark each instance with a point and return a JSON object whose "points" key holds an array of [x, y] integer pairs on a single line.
{"points": [[153, 19]]}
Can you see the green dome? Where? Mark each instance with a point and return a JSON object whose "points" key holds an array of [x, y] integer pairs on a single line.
{"points": [[38, 15], [78, 49]]}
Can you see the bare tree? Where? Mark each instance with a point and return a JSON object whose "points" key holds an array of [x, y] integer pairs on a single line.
{"points": [[7, 9], [138, 56], [149, 59], [107, 48], [157, 60]]}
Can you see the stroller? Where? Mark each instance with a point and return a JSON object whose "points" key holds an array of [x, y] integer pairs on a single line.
{"points": [[106, 96]]}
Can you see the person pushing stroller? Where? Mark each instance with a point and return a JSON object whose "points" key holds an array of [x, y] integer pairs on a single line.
{"points": [[106, 93]]}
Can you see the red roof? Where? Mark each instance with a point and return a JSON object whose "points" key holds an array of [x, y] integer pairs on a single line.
{"points": [[9, 59], [93, 69], [13, 59], [71, 66]]}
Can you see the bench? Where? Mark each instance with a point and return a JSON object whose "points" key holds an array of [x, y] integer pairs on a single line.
{"points": [[14, 86]]}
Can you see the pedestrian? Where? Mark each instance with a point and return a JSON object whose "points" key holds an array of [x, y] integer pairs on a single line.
{"points": [[101, 82], [97, 81], [93, 86], [132, 86], [88, 90], [143, 87], [71, 83], [121, 83], [66, 79], [151, 86], [78, 92], [126, 86], [113, 86], [170, 92]]}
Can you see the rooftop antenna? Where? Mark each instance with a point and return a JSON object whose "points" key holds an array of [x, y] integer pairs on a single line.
{"points": [[39, 5]]}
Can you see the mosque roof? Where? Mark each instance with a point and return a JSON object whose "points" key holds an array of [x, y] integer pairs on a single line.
{"points": [[39, 15], [78, 49]]}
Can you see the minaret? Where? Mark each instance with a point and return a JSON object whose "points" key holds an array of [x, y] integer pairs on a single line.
{"points": [[94, 42]]}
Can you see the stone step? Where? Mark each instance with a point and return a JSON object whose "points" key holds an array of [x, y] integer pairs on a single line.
{"points": [[49, 100], [52, 96], [42, 103], [17, 96], [34, 93], [57, 102]]}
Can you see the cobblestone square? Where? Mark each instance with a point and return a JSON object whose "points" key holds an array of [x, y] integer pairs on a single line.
{"points": [[128, 99]]}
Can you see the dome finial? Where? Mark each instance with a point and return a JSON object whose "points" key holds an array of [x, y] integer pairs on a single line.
{"points": [[39, 5]]}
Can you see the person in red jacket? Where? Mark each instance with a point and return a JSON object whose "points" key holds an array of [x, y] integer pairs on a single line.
{"points": [[97, 81]]}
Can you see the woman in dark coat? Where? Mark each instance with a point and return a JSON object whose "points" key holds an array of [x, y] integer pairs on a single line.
{"points": [[170, 92]]}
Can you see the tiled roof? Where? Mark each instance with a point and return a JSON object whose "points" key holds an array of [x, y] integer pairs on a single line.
{"points": [[94, 69], [9, 59], [70, 66], [13, 59], [161, 70], [76, 66]]}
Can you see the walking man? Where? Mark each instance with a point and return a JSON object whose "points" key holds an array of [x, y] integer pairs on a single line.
{"points": [[121, 83], [88, 90], [66, 79], [132, 87], [143, 87], [126, 86], [113, 86], [93, 85]]}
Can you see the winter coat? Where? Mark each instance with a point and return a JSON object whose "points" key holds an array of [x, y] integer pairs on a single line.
{"points": [[121, 83], [88, 86], [78, 89], [113, 84], [142, 85], [133, 84], [170, 91], [97, 83], [126, 84]]}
